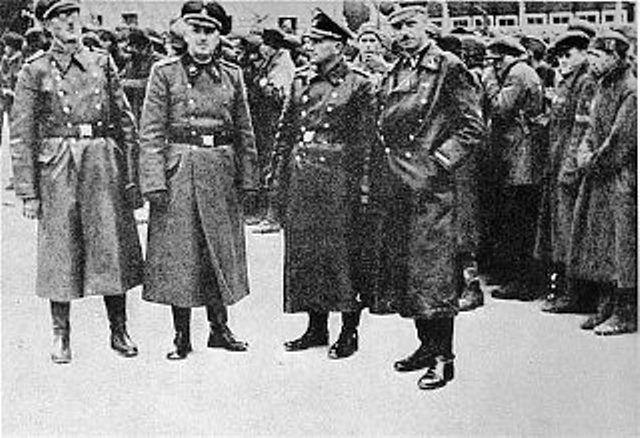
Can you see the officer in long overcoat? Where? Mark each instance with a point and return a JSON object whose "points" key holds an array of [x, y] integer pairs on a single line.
{"points": [[569, 119], [603, 244], [71, 130], [515, 100], [326, 129], [429, 121], [197, 161]]}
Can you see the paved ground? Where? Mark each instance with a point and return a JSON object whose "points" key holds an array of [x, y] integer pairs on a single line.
{"points": [[518, 371]]}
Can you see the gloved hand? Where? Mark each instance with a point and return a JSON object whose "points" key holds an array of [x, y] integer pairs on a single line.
{"points": [[158, 199]]}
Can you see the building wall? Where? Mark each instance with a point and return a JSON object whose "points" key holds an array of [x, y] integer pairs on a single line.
{"points": [[245, 14]]}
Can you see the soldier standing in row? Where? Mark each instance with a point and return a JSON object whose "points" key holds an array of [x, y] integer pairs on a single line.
{"points": [[325, 131], [570, 101], [604, 244], [197, 163], [429, 122], [70, 111], [372, 44], [515, 98], [10, 65]]}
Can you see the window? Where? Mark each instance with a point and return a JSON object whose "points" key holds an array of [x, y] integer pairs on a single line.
{"points": [[535, 20], [130, 18], [506, 22], [560, 20], [288, 24], [591, 17], [608, 18], [460, 22]]}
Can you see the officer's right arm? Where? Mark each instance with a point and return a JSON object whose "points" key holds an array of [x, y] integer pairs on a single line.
{"points": [[153, 123], [24, 138], [285, 137]]}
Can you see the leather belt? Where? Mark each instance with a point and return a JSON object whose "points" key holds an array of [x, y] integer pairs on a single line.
{"points": [[81, 130], [200, 138]]}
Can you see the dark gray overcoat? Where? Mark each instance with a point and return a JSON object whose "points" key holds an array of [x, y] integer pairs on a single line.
{"points": [[69, 108], [430, 119], [197, 143], [604, 232], [568, 123]]}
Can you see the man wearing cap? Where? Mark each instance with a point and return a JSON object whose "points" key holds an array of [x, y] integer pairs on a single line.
{"points": [[72, 130], [569, 118], [10, 65], [515, 99], [197, 163], [604, 232], [429, 121], [372, 44], [271, 86], [136, 71], [320, 159]]}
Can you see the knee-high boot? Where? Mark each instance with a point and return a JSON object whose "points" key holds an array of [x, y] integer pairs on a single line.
{"points": [[117, 314], [61, 348], [220, 335], [316, 334], [347, 342], [442, 370], [182, 326]]}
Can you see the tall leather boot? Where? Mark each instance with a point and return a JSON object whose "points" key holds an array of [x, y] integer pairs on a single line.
{"points": [[425, 355], [347, 342], [120, 340], [604, 310], [220, 336], [316, 335], [442, 371], [182, 326], [624, 318], [61, 348]]}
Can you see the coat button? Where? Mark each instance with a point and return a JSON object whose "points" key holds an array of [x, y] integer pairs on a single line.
{"points": [[303, 129], [408, 154], [298, 158], [334, 94], [189, 85], [69, 125], [66, 110], [387, 151], [99, 123], [326, 125], [423, 101], [303, 113], [98, 106], [194, 133], [329, 109], [382, 138], [192, 102], [61, 93], [322, 159], [304, 98], [412, 137], [96, 91]]}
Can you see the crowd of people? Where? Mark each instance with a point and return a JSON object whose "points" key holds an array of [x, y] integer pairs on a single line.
{"points": [[405, 167]]}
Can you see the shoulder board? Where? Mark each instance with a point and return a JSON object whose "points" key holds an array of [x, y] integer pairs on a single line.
{"points": [[168, 60], [229, 64], [359, 71], [303, 70], [99, 50], [39, 54]]}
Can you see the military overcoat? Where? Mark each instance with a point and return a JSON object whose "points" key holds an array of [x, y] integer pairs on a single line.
{"points": [[197, 143], [69, 108], [429, 121], [604, 231], [568, 123], [326, 130], [515, 100]]}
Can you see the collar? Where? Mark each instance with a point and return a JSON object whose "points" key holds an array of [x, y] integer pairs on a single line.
{"points": [[193, 68], [334, 71], [64, 55], [616, 72], [416, 58]]}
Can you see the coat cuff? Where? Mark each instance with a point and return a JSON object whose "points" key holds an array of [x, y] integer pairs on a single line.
{"points": [[449, 154]]}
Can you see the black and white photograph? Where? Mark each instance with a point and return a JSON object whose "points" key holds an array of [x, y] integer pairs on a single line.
{"points": [[319, 218]]}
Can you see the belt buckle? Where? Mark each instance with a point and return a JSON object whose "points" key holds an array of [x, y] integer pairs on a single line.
{"points": [[208, 140], [85, 130]]}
